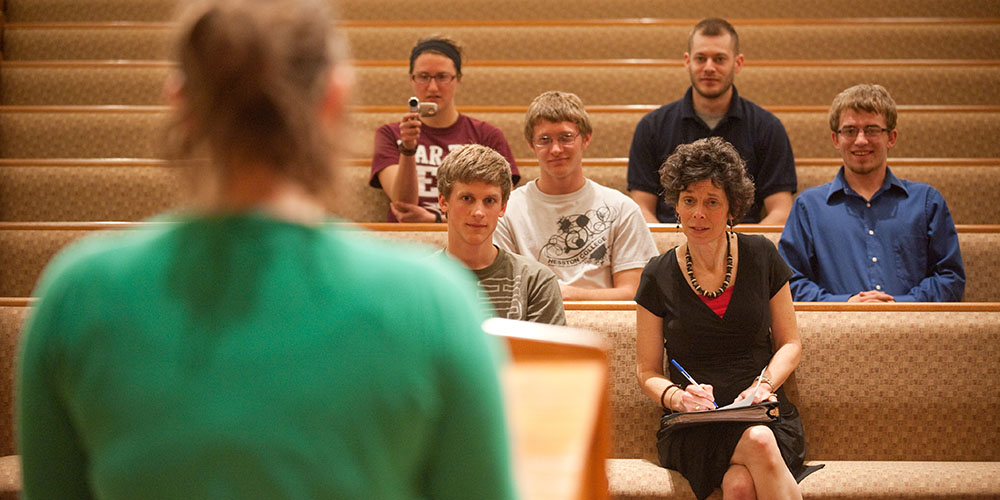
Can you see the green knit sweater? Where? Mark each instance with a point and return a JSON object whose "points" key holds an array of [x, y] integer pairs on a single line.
{"points": [[244, 357]]}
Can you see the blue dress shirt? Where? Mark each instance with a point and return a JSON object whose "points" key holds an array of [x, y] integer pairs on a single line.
{"points": [[902, 242]]}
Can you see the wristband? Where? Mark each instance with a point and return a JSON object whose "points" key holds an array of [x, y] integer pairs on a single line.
{"points": [[764, 379], [403, 151], [679, 391], [664, 393]]}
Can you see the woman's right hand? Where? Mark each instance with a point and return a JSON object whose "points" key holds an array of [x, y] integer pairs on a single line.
{"points": [[697, 398], [409, 130]]}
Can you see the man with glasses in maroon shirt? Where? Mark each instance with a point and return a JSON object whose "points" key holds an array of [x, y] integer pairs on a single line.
{"points": [[408, 153], [592, 237]]}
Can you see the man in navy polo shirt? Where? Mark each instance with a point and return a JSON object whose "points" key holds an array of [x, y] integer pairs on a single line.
{"points": [[712, 107]]}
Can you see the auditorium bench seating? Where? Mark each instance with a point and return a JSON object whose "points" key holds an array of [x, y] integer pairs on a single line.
{"points": [[516, 83], [12, 316], [131, 190], [605, 39], [866, 390], [478, 10], [30, 246], [871, 410], [136, 131]]}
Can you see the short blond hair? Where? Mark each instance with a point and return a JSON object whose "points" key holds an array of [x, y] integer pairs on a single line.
{"points": [[867, 97], [474, 163], [556, 106]]}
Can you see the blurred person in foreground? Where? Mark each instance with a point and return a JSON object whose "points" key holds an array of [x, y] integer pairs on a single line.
{"points": [[245, 349], [716, 304]]}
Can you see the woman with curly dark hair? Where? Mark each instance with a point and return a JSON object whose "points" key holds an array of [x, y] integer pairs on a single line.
{"points": [[715, 304]]}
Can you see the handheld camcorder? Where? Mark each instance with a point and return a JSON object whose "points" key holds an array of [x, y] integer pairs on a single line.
{"points": [[423, 108]]}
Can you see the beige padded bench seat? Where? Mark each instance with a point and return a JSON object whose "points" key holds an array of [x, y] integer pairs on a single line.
{"points": [[768, 82], [28, 247], [380, 10], [885, 437], [137, 131], [521, 40]]}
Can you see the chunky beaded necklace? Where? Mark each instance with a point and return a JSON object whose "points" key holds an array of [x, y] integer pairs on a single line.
{"points": [[725, 281]]}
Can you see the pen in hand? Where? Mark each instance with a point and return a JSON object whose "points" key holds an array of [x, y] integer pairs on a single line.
{"points": [[689, 377]]}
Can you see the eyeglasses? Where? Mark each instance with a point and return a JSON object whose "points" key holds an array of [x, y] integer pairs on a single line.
{"points": [[440, 78], [566, 140], [871, 131]]}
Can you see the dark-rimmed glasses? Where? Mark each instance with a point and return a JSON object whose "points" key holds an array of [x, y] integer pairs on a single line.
{"points": [[566, 140], [871, 132], [440, 78]]}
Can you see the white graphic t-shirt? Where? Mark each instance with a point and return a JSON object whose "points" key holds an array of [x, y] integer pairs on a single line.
{"points": [[584, 237]]}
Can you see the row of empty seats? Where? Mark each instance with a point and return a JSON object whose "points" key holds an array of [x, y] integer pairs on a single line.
{"points": [[516, 83], [882, 39], [482, 10]]}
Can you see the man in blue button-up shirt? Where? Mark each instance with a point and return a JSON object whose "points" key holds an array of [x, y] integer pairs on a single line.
{"points": [[868, 236]]}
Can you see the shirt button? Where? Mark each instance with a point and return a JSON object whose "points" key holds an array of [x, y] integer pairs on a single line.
{"points": [[870, 232], [878, 287], [869, 205], [874, 259]]}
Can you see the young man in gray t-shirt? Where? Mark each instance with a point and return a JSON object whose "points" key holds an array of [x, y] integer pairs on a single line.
{"points": [[474, 183]]}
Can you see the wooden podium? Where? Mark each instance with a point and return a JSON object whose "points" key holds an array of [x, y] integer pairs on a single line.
{"points": [[556, 390]]}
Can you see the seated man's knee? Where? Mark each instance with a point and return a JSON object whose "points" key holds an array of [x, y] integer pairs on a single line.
{"points": [[737, 484]]}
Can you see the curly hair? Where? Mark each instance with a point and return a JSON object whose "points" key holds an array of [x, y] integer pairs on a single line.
{"points": [[711, 158]]}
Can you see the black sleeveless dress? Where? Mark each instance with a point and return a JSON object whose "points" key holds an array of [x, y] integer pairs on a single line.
{"points": [[726, 352]]}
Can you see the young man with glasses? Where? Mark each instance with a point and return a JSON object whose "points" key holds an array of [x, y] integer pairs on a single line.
{"points": [[408, 153], [869, 236], [712, 107], [593, 237]]}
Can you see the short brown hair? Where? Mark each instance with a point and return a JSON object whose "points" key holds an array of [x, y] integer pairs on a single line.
{"points": [[715, 26], [556, 106], [867, 97], [710, 158], [254, 74], [474, 163]]}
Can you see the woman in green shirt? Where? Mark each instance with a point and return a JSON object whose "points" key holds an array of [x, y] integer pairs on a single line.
{"points": [[244, 349]]}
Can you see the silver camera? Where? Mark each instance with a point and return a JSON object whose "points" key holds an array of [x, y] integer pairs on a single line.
{"points": [[423, 108]]}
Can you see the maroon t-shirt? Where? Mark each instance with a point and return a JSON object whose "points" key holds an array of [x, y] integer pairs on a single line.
{"points": [[433, 145]]}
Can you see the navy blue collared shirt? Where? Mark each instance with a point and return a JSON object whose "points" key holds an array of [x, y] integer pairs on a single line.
{"points": [[902, 242], [756, 133]]}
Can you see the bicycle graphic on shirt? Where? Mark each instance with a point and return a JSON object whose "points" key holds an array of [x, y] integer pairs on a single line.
{"points": [[581, 238]]}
